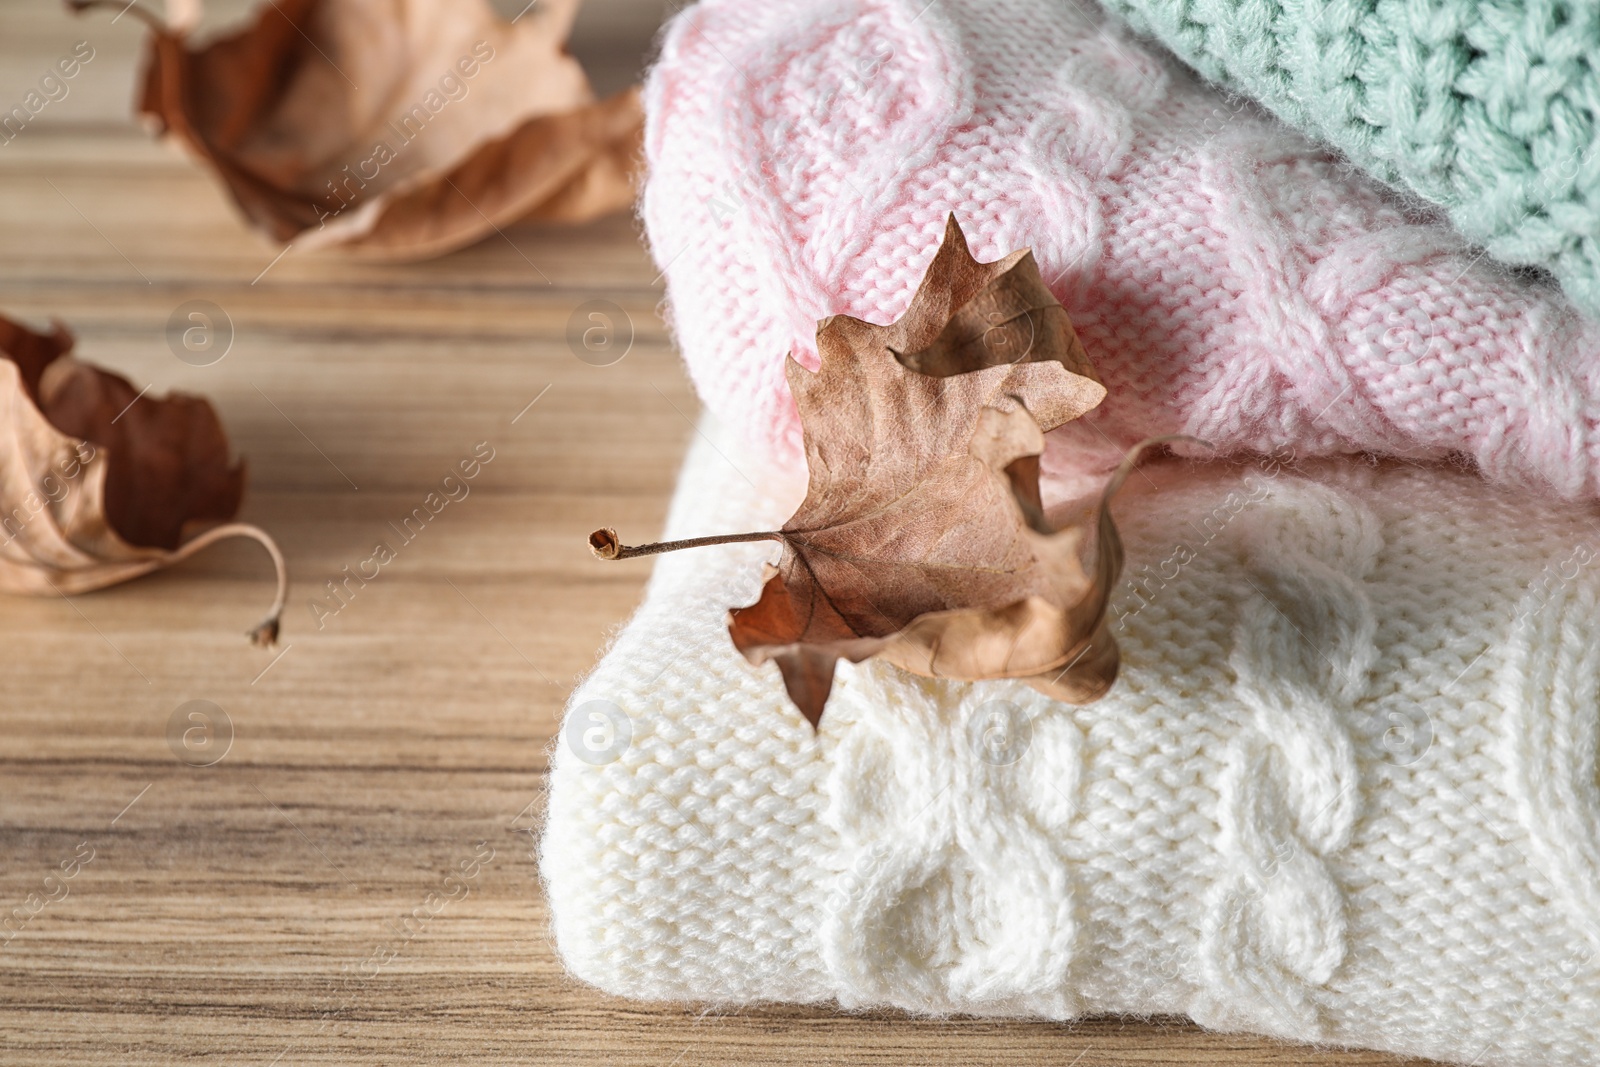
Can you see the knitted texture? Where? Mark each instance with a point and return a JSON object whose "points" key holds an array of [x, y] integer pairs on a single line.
{"points": [[1487, 108], [1343, 791], [1228, 279]]}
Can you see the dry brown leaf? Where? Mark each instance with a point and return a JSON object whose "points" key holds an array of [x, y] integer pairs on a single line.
{"points": [[398, 131], [922, 539], [100, 484]]}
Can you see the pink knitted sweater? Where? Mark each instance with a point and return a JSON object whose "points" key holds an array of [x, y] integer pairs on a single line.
{"points": [[1228, 279]]}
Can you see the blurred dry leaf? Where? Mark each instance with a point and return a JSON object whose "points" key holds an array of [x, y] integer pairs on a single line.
{"points": [[394, 130], [922, 538], [100, 484]]}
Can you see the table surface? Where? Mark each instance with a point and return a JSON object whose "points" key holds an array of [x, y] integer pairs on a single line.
{"points": [[233, 912]]}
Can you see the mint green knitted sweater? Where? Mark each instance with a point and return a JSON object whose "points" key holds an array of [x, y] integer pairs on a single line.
{"points": [[1487, 108]]}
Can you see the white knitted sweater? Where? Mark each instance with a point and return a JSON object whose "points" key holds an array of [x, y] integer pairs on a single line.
{"points": [[1344, 789]]}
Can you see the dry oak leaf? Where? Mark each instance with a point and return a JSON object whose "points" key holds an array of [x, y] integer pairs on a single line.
{"points": [[921, 539], [99, 483], [395, 129]]}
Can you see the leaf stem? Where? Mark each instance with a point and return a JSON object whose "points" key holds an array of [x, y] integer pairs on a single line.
{"points": [[265, 632], [604, 543]]}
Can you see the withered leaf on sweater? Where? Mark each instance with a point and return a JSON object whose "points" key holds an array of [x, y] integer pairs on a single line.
{"points": [[103, 483], [921, 538], [396, 131]]}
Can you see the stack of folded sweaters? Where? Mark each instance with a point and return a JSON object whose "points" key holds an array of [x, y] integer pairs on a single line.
{"points": [[1344, 789]]}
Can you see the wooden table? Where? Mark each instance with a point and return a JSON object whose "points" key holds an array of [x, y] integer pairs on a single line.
{"points": [[226, 908]]}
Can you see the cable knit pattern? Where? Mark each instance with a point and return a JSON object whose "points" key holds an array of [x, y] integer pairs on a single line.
{"points": [[1229, 279], [957, 886], [1551, 734], [1302, 653], [1343, 790], [1487, 108]]}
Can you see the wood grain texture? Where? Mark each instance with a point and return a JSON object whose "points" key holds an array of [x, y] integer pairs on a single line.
{"points": [[260, 910]]}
